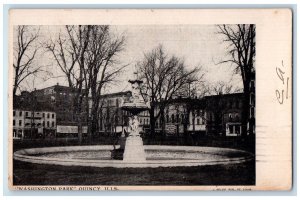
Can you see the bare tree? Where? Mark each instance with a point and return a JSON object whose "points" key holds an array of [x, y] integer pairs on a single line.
{"points": [[87, 55], [25, 50], [241, 48], [102, 64], [164, 78], [64, 54], [68, 50]]}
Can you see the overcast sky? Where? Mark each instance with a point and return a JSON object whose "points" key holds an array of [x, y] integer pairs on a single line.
{"points": [[196, 44]]}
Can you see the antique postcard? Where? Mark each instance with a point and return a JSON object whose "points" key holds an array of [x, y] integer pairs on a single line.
{"points": [[150, 99]]}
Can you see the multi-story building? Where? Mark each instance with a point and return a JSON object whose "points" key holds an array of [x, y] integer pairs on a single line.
{"points": [[182, 115], [33, 124], [251, 119], [112, 118], [224, 114], [43, 111], [216, 115], [60, 100]]}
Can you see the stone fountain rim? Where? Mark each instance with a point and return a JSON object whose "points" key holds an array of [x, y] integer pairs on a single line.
{"points": [[27, 155]]}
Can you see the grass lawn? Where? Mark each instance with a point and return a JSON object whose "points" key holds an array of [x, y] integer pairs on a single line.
{"points": [[37, 174]]}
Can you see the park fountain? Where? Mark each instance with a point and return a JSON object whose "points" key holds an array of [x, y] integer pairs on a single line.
{"points": [[134, 148], [136, 155]]}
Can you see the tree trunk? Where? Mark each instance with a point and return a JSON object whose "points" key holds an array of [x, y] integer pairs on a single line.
{"points": [[94, 116], [88, 123], [245, 109], [152, 120], [162, 115], [78, 116]]}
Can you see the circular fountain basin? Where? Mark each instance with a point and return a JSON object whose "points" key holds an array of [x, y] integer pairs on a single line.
{"points": [[156, 156]]}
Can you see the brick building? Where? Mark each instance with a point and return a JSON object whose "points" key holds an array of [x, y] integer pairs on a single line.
{"points": [[61, 100], [224, 114]]}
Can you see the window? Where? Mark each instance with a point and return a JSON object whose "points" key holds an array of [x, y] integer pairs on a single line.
{"points": [[230, 117], [14, 113], [252, 84], [252, 99], [52, 116], [26, 114], [252, 112], [237, 129], [52, 124], [116, 120], [117, 102], [20, 122], [198, 121], [48, 124], [167, 118], [231, 129], [14, 122], [43, 114], [43, 124], [20, 113], [48, 115], [173, 118]]}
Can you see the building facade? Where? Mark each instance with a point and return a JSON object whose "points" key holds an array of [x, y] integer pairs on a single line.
{"points": [[211, 115], [224, 114], [33, 124], [61, 99], [50, 111], [54, 108], [251, 119]]}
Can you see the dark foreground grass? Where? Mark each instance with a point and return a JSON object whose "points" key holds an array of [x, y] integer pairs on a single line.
{"points": [[38, 174]]}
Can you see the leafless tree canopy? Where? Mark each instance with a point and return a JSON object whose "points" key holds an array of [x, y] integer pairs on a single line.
{"points": [[88, 57], [102, 63], [220, 88], [164, 76], [25, 50], [241, 44]]}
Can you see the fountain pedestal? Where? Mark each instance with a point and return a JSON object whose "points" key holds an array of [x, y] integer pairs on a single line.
{"points": [[134, 149]]}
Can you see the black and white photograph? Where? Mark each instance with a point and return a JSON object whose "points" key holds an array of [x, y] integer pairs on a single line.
{"points": [[134, 105]]}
